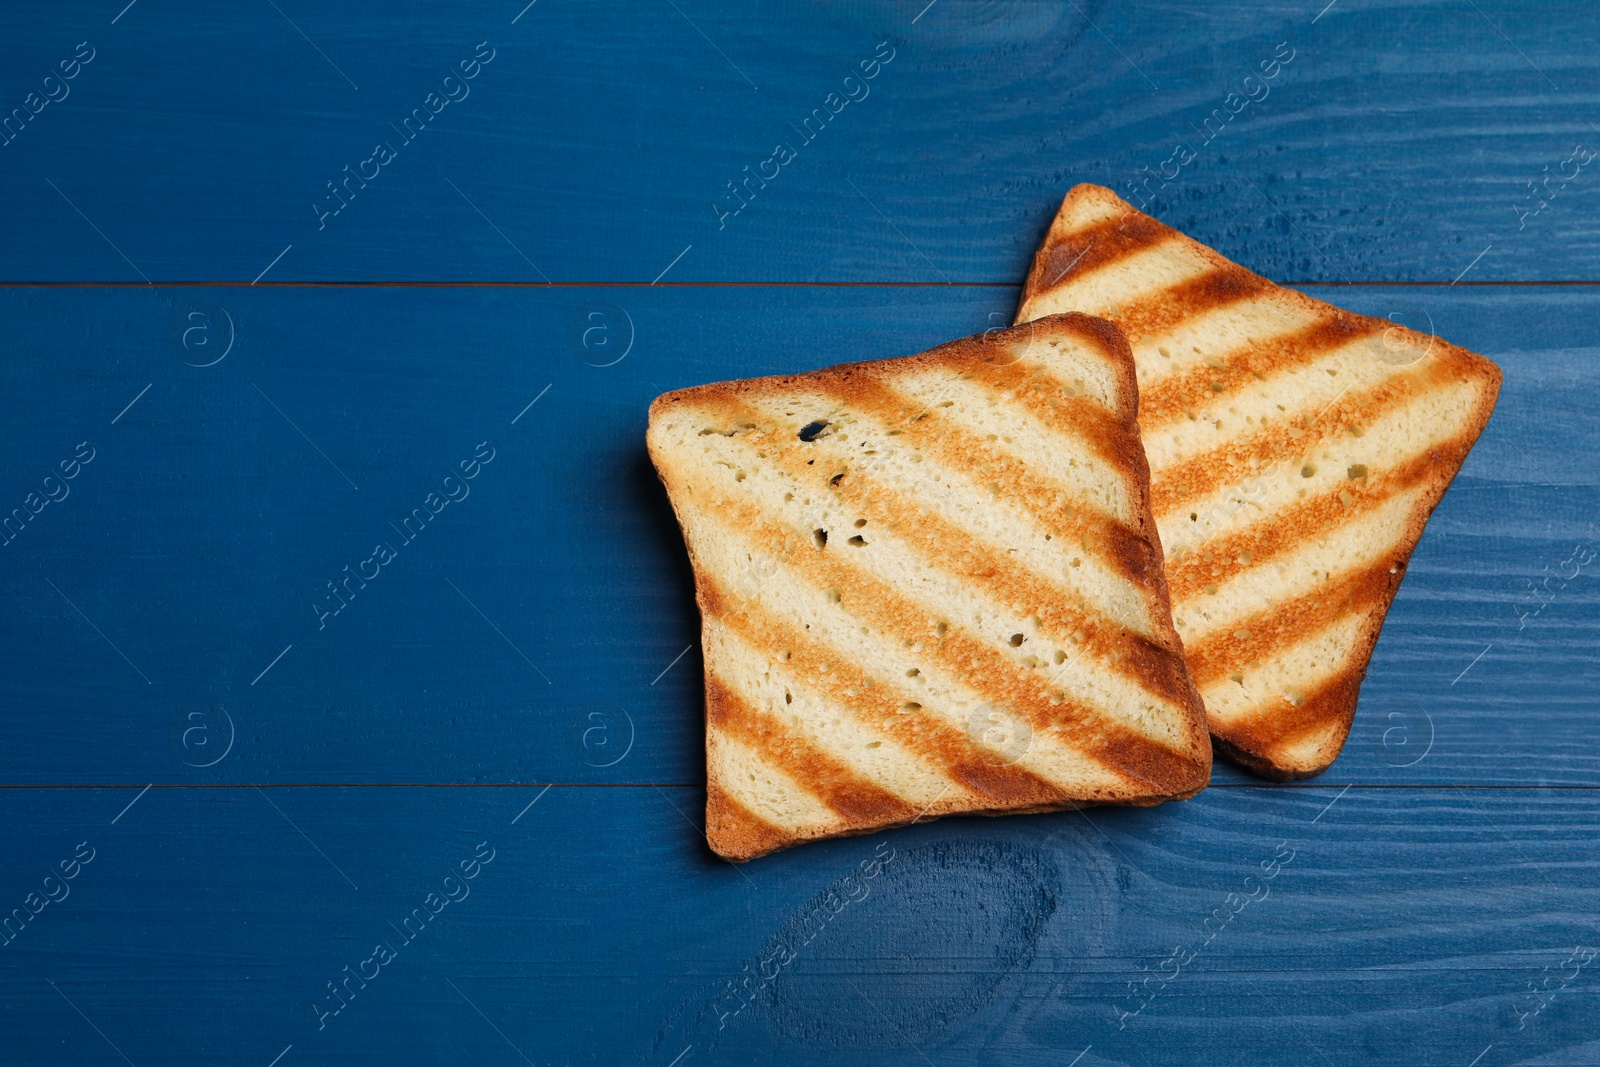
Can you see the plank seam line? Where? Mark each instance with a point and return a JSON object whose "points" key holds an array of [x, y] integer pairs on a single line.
{"points": [[1281, 786], [195, 284]]}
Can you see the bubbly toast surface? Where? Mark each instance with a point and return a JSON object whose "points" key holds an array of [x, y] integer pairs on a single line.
{"points": [[929, 586], [1296, 451]]}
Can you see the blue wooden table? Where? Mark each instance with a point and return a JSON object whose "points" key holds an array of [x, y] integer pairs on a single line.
{"points": [[286, 281]]}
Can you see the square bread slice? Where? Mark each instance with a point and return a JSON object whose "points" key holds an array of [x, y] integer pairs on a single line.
{"points": [[1295, 449], [929, 586]]}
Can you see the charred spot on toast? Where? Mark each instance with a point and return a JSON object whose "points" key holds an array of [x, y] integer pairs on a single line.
{"points": [[1134, 553]]}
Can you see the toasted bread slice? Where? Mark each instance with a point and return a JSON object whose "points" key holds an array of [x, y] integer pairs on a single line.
{"points": [[1295, 449], [929, 586]]}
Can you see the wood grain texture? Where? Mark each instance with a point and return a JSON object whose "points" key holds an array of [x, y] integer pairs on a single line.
{"points": [[206, 527], [1397, 144], [1438, 912], [1396, 926]]}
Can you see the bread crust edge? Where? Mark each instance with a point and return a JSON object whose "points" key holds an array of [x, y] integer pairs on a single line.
{"points": [[741, 839], [1265, 761]]}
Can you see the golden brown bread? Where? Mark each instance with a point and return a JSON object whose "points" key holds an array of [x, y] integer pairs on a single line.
{"points": [[1296, 451], [929, 586]]}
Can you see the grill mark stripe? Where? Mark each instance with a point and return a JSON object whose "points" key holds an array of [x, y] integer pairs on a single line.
{"points": [[727, 819], [1156, 313], [878, 706], [831, 780], [1280, 533], [1111, 542], [1168, 399], [1202, 473], [1079, 725], [1276, 727], [1129, 553], [1080, 419], [1081, 252], [954, 448], [1281, 626], [951, 549]]}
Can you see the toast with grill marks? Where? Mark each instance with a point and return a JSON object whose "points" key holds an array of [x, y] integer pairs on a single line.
{"points": [[1296, 451], [929, 586]]}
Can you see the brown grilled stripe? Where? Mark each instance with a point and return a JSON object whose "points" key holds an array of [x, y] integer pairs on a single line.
{"points": [[1084, 251], [877, 705], [1158, 312], [956, 448], [952, 447], [1081, 418], [738, 829], [961, 655], [1219, 559], [1272, 728], [950, 548], [814, 769], [1283, 625], [1295, 435], [1173, 396]]}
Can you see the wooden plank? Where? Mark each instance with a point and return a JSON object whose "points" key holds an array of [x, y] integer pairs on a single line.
{"points": [[219, 457], [1396, 144], [1413, 925], [545, 620], [219, 506]]}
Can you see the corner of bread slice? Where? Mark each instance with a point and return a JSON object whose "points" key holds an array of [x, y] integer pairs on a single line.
{"points": [[929, 586], [1093, 227], [1296, 452], [1301, 736]]}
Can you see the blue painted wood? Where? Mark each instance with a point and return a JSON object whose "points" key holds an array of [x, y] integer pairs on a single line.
{"points": [[536, 629], [204, 461], [1396, 144], [1253, 926]]}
